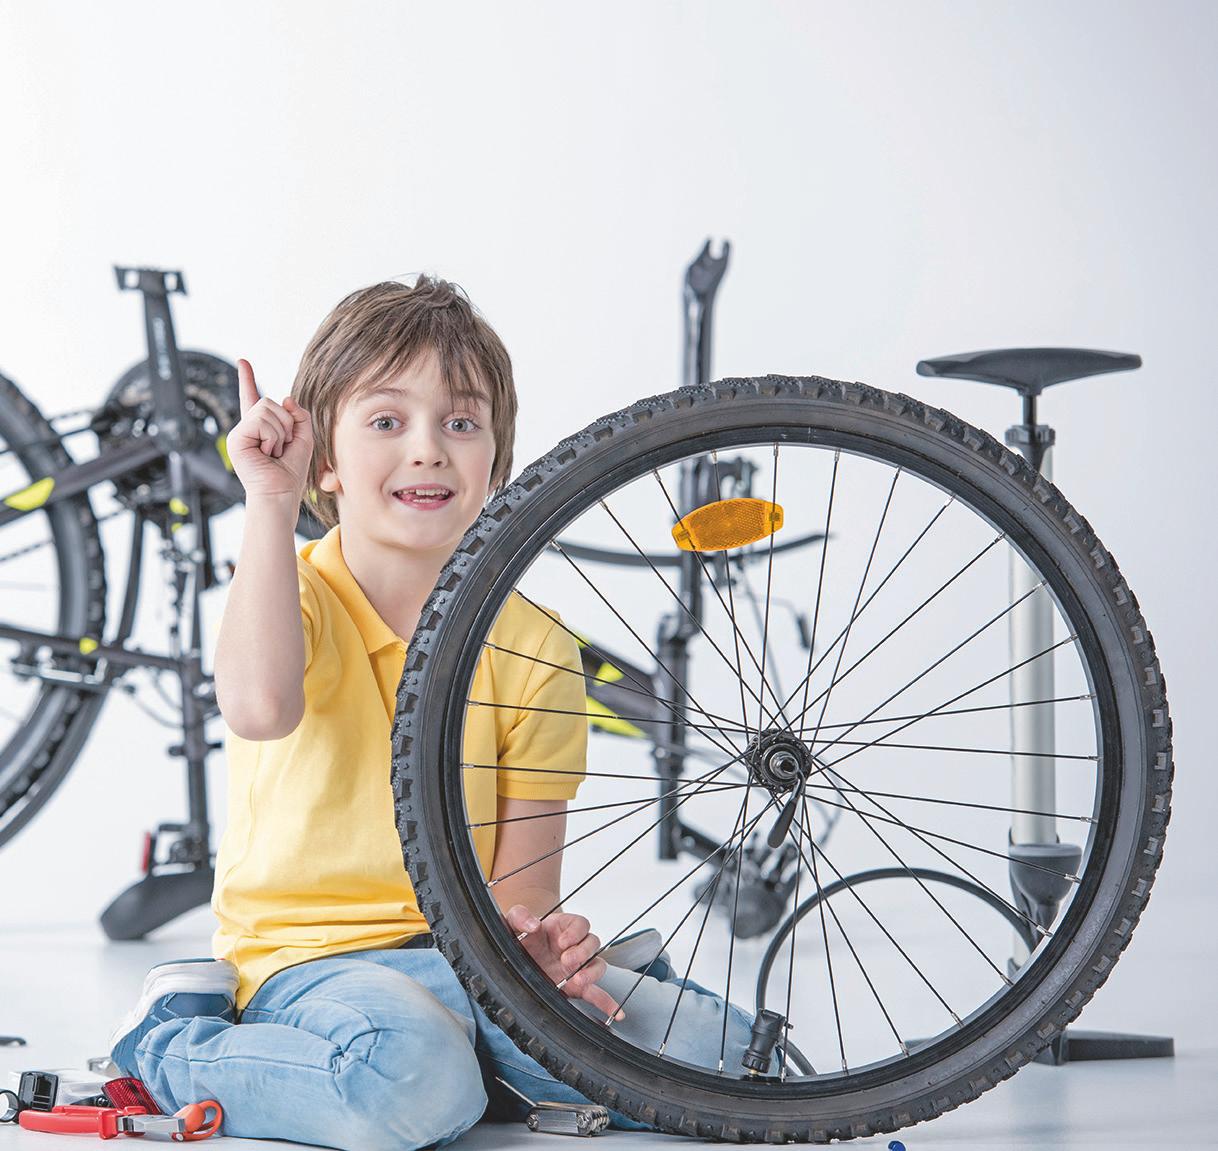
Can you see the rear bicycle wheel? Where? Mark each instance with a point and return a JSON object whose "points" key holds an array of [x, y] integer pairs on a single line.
{"points": [[903, 724], [52, 578]]}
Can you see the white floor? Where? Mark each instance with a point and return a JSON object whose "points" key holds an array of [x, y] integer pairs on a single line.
{"points": [[62, 986]]}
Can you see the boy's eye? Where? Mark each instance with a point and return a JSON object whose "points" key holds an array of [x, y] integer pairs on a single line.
{"points": [[378, 421], [470, 425]]}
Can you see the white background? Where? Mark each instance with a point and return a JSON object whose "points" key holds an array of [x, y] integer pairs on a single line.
{"points": [[897, 180]]}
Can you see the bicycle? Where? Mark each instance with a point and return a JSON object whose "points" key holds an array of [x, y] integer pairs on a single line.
{"points": [[160, 434], [901, 1009]]}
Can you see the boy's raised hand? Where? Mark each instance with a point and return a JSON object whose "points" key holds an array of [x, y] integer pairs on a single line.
{"points": [[562, 945], [271, 446]]}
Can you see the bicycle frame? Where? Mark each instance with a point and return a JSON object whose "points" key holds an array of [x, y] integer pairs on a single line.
{"points": [[193, 468]]}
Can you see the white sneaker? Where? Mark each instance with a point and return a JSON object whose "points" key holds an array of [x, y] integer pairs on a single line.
{"points": [[177, 990]]}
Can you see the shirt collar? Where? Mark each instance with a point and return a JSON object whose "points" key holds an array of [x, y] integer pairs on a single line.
{"points": [[326, 555]]}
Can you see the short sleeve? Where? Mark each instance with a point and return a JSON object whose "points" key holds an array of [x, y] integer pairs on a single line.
{"points": [[554, 739], [310, 609]]}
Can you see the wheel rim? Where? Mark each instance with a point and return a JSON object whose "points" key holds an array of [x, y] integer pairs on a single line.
{"points": [[1106, 751], [46, 585]]}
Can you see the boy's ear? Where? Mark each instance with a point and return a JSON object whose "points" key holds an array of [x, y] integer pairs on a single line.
{"points": [[327, 478]]}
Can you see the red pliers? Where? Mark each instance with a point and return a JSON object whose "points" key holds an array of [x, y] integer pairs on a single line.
{"points": [[194, 1121]]}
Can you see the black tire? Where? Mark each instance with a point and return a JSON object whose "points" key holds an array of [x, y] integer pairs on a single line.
{"points": [[1133, 798], [38, 754]]}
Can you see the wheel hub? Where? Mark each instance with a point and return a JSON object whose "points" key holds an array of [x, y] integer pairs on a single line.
{"points": [[778, 760]]}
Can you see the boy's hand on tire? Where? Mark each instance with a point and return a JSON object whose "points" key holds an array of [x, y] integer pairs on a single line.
{"points": [[560, 944], [270, 448]]}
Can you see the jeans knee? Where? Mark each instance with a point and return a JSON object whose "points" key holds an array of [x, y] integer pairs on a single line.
{"points": [[406, 1104]]}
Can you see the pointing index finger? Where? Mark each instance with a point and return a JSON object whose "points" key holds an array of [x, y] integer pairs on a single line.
{"points": [[246, 387]]}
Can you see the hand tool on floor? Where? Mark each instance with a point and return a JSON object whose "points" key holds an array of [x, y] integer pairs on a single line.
{"points": [[562, 1118], [192, 1122]]}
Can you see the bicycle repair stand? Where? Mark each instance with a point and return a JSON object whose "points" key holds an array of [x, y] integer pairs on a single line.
{"points": [[1034, 840], [183, 879]]}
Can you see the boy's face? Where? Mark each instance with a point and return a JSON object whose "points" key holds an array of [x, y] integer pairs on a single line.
{"points": [[401, 435]]}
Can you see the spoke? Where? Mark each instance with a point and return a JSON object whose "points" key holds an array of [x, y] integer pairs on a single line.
{"points": [[866, 818], [946, 703], [601, 775], [1044, 932], [799, 871], [949, 802], [596, 715], [710, 890], [710, 579], [709, 896], [703, 754], [820, 580], [655, 903], [783, 826], [926, 671], [614, 683], [866, 604], [649, 694], [812, 668], [871, 651], [824, 930], [659, 662], [888, 817], [962, 711], [765, 636], [625, 671], [823, 902], [751, 596], [731, 598], [968, 750], [569, 771], [646, 831], [818, 850], [731, 939], [854, 612], [602, 806], [684, 607]]}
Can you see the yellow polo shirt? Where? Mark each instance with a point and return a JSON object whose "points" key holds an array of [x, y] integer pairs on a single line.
{"points": [[310, 863]]}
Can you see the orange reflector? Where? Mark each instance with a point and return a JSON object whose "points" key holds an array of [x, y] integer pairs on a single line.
{"points": [[727, 524]]}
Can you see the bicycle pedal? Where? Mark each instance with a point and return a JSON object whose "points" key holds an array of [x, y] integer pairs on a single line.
{"points": [[567, 1118]]}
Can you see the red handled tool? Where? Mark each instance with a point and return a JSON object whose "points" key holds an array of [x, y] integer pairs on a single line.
{"points": [[194, 1121]]}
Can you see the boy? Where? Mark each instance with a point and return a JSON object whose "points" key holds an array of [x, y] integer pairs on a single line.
{"points": [[354, 1032]]}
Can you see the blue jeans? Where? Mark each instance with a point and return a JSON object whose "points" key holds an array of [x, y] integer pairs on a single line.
{"points": [[385, 1049]]}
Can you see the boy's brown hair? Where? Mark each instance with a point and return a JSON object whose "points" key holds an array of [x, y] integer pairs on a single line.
{"points": [[381, 330]]}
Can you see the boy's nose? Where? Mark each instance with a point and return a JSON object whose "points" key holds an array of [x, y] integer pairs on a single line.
{"points": [[427, 451]]}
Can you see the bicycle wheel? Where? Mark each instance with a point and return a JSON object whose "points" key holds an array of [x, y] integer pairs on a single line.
{"points": [[52, 575], [913, 745]]}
